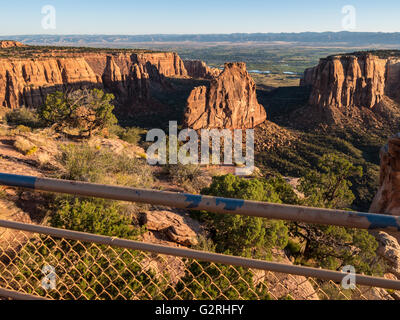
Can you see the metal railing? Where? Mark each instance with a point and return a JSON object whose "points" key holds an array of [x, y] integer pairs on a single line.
{"points": [[351, 219], [89, 266]]}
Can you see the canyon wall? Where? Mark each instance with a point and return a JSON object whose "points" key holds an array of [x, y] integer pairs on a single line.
{"points": [[361, 86], [130, 76], [229, 103], [199, 70], [347, 80]]}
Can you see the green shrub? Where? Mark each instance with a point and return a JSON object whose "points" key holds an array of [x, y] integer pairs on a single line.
{"points": [[182, 173], [115, 131], [187, 176], [24, 146], [132, 135], [96, 216], [293, 247], [243, 235], [329, 187], [85, 163], [217, 280], [86, 110], [23, 129], [94, 271], [332, 246], [23, 116]]}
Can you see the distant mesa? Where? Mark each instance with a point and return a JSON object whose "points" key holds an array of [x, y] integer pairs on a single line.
{"points": [[359, 88], [229, 103], [4, 44]]}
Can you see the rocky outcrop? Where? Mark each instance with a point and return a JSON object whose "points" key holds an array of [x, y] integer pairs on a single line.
{"points": [[130, 76], [10, 44], [199, 70], [359, 86], [176, 227], [387, 200], [347, 80], [229, 103], [169, 64], [389, 249]]}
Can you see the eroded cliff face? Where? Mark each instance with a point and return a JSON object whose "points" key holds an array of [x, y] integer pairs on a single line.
{"points": [[362, 87], [229, 103], [387, 200], [199, 70], [26, 82], [348, 80]]}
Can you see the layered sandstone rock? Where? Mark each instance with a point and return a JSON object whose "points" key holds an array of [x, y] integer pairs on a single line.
{"points": [[10, 44], [347, 80], [199, 70], [229, 103], [361, 86], [169, 64], [387, 200], [26, 82], [176, 227]]}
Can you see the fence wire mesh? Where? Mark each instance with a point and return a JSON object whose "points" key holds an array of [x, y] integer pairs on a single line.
{"points": [[53, 268]]}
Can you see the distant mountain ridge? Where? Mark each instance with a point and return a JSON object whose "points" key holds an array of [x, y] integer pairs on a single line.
{"points": [[344, 37]]}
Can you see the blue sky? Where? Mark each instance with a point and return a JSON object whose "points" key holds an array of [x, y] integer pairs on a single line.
{"points": [[205, 16]]}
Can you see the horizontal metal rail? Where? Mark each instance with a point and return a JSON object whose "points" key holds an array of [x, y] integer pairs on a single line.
{"points": [[349, 219], [5, 293], [203, 256]]}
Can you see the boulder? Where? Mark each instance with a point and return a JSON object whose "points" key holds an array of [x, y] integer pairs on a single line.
{"points": [[177, 227]]}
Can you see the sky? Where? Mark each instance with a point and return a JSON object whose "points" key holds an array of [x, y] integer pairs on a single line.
{"points": [[18, 17]]}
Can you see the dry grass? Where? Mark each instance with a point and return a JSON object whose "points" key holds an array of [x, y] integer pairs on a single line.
{"points": [[4, 132], [43, 159], [24, 146]]}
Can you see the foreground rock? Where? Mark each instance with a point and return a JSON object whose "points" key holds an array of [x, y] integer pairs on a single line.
{"points": [[387, 200], [177, 228], [229, 103], [389, 249]]}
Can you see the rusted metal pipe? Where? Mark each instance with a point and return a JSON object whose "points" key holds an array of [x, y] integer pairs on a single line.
{"points": [[14, 295], [342, 218]]}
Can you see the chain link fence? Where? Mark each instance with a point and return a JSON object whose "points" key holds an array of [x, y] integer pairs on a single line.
{"points": [[58, 268]]}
